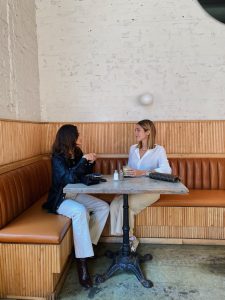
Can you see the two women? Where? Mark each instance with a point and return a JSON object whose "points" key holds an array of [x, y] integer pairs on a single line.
{"points": [[144, 157], [88, 214], [69, 165]]}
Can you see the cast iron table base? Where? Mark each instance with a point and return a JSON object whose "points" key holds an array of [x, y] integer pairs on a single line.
{"points": [[124, 259]]}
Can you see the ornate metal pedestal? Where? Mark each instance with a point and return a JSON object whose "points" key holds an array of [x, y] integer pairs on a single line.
{"points": [[124, 259]]}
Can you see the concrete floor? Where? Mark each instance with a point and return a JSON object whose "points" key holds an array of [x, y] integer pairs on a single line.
{"points": [[177, 271]]}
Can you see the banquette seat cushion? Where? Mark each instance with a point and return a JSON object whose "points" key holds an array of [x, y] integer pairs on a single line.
{"points": [[195, 198], [35, 226], [22, 219], [22, 192], [22, 187], [204, 177]]}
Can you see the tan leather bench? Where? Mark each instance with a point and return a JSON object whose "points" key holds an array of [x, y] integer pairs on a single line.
{"points": [[35, 226], [34, 245], [204, 177], [198, 215], [195, 198]]}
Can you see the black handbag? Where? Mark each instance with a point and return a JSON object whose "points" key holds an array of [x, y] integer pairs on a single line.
{"points": [[164, 177], [91, 179]]}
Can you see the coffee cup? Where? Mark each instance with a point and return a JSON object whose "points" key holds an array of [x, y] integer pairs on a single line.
{"points": [[126, 170]]}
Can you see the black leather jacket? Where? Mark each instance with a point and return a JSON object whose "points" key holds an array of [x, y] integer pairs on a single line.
{"points": [[65, 171]]}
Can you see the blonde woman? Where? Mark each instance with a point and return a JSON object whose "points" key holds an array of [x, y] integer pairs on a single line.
{"points": [[144, 157]]}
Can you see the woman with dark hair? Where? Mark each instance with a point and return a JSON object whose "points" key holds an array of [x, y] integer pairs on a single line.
{"points": [[144, 157], [68, 166]]}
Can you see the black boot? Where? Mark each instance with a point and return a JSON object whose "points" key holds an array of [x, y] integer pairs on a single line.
{"points": [[95, 249], [83, 274]]}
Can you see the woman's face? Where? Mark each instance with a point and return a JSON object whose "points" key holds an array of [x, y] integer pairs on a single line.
{"points": [[140, 134]]}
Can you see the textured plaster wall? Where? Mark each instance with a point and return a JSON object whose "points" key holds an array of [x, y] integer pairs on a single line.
{"points": [[19, 77], [97, 56]]}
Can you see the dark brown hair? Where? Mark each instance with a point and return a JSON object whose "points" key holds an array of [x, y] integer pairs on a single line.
{"points": [[65, 141], [148, 125]]}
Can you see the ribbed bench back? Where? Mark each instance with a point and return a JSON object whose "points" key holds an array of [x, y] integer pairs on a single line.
{"points": [[200, 173], [108, 165], [21, 187], [195, 173]]}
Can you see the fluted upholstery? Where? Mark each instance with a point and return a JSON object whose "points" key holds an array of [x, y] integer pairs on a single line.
{"points": [[108, 165], [22, 219], [29, 234], [200, 173], [20, 188], [195, 173], [204, 177], [34, 246]]}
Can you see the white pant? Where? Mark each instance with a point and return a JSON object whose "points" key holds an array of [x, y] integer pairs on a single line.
{"points": [[137, 202], [89, 215]]}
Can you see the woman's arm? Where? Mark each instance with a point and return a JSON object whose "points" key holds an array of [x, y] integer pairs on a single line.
{"points": [[163, 164], [91, 157], [132, 171], [136, 173], [160, 162], [63, 175]]}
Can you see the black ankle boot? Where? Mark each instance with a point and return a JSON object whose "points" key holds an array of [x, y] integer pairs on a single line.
{"points": [[83, 274]]}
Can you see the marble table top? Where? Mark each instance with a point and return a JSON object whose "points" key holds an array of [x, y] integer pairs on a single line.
{"points": [[128, 186]]}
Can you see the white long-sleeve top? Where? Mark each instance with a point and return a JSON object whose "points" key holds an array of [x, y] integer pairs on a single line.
{"points": [[153, 159]]}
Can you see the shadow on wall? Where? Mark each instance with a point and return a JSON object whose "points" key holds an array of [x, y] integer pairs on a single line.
{"points": [[216, 8]]}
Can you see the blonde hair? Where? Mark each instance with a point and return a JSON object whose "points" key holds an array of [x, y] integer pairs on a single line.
{"points": [[148, 125]]}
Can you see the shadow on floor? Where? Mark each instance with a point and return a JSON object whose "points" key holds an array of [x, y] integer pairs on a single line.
{"points": [[177, 271]]}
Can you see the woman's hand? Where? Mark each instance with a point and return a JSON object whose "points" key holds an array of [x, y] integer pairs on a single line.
{"points": [[91, 157], [135, 173]]}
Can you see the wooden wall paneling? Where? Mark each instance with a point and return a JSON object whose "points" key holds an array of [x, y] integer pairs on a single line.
{"points": [[48, 134], [109, 137], [19, 140], [28, 269], [194, 137], [1, 144], [178, 137], [181, 222], [170, 232], [66, 246]]}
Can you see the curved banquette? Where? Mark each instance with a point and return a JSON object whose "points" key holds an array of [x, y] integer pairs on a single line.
{"points": [[35, 246]]}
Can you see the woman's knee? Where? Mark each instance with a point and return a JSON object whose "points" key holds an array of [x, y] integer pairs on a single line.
{"points": [[72, 209], [103, 207], [139, 202], [79, 210], [115, 205], [106, 207], [100, 205], [103, 204]]}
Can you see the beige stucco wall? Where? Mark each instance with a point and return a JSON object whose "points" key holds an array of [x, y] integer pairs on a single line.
{"points": [[19, 77], [97, 56]]}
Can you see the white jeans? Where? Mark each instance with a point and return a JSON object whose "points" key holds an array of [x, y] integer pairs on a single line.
{"points": [[137, 202], [88, 215]]}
